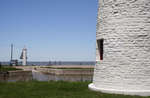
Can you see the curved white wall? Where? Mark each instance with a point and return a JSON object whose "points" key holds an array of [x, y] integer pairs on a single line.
{"points": [[125, 27]]}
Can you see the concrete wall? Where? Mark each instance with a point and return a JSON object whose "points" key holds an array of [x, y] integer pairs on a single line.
{"points": [[42, 76], [66, 71], [3, 76], [125, 27], [16, 76]]}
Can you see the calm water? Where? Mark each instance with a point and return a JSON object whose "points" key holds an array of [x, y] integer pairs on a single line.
{"points": [[48, 77]]}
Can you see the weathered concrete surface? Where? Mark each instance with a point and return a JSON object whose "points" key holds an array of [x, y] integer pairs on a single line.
{"points": [[63, 73], [66, 71], [58, 66], [26, 68], [18, 75], [3, 76], [125, 27], [61, 70]]}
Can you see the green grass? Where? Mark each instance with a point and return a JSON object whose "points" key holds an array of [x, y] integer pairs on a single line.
{"points": [[52, 89], [8, 68]]}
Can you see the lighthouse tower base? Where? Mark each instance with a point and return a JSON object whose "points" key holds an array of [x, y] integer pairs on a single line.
{"points": [[115, 91]]}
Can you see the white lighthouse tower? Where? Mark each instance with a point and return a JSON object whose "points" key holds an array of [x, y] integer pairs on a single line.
{"points": [[24, 56], [123, 47]]}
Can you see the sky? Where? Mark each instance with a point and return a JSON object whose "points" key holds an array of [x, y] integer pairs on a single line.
{"points": [[60, 30]]}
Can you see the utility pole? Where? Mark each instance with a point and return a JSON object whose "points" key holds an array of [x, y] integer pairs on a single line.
{"points": [[11, 52], [11, 55]]}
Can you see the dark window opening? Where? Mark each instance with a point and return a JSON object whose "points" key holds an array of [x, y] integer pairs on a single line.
{"points": [[100, 47]]}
